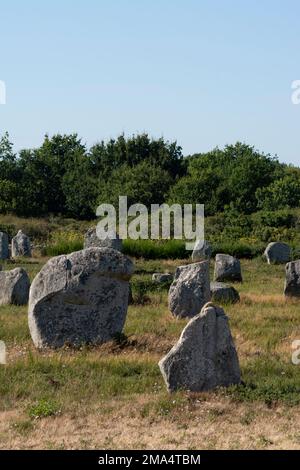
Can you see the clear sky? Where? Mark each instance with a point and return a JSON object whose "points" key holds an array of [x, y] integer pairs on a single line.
{"points": [[203, 72]]}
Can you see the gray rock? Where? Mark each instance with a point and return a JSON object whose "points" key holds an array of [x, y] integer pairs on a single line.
{"points": [[4, 250], [190, 289], [20, 245], [160, 278], [277, 253], [91, 240], [201, 253], [204, 357], [227, 268], [223, 293], [80, 298], [14, 287], [292, 279]]}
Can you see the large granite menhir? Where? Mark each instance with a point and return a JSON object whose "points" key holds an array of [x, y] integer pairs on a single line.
{"points": [[80, 299], [204, 357]]}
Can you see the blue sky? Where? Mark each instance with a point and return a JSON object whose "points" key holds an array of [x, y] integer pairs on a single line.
{"points": [[205, 73]]}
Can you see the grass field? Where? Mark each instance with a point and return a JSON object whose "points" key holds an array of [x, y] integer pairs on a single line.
{"points": [[113, 396]]}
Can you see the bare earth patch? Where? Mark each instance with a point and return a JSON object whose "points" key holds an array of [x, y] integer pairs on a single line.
{"points": [[209, 424]]}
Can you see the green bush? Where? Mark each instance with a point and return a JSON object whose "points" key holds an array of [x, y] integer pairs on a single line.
{"points": [[43, 409], [63, 243]]}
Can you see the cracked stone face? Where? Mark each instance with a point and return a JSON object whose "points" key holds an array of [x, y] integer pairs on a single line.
{"points": [[80, 299]]}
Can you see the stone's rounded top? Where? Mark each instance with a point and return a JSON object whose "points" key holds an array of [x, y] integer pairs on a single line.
{"points": [[106, 261], [218, 285], [20, 234], [61, 271], [225, 257], [92, 240], [211, 307], [198, 266], [277, 244]]}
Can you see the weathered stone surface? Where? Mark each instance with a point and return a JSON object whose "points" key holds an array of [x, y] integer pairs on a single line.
{"points": [[14, 287], [223, 293], [277, 253], [201, 253], [292, 279], [190, 289], [20, 245], [4, 251], [160, 278], [79, 299], [227, 268], [91, 240], [205, 356]]}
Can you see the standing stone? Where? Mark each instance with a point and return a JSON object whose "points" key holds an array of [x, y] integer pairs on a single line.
{"points": [[201, 252], [205, 356], [4, 251], [190, 289], [14, 287], [80, 298], [91, 240], [227, 268], [20, 245], [160, 278], [277, 253], [292, 279], [223, 293]]}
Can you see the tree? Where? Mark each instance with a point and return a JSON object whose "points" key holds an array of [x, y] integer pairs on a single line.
{"points": [[80, 187], [228, 177], [281, 194], [143, 183], [43, 170], [108, 157]]}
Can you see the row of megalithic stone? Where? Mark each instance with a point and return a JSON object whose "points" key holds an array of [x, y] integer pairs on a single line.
{"points": [[82, 298], [14, 284]]}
